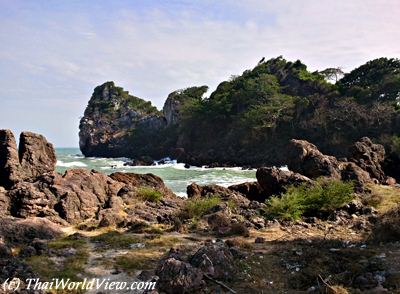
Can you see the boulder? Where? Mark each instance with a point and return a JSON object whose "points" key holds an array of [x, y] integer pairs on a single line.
{"points": [[36, 155], [252, 190], [83, 193], [369, 157], [352, 172], [176, 276], [274, 180], [9, 162], [306, 159], [225, 194], [134, 181], [215, 260]]}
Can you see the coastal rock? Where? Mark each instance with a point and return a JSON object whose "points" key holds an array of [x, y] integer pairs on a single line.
{"points": [[134, 181], [32, 199], [176, 276], [274, 180], [36, 155], [369, 157], [9, 161], [352, 172], [252, 190], [215, 260], [225, 194], [111, 118], [306, 159], [82, 193]]}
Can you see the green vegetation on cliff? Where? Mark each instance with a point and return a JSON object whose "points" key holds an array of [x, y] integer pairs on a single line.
{"points": [[249, 119]]}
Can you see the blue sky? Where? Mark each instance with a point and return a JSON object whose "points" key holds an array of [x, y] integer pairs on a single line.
{"points": [[53, 53]]}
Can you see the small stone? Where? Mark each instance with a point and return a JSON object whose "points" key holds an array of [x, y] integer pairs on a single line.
{"points": [[259, 240]]}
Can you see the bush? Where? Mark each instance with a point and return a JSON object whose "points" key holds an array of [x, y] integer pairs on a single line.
{"points": [[150, 194], [324, 196], [197, 207]]}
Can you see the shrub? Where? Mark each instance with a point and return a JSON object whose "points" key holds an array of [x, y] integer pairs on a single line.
{"points": [[197, 207], [150, 194], [324, 196]]}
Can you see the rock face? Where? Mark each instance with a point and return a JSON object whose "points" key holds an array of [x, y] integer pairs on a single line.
{"points": [[369, 157], [178, 277], [252, 190], [110, 120], [9, 161], [273, 180], [36, 155], [34, 189], [215, 260], [306, 159], [81, 195]]}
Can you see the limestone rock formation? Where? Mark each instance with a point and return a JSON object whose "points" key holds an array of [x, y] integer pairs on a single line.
{"points": [[306, 159], [9, 161], [252, 190], [369, 157], [274, 180], [36, 155], [112, 118], [177, 99]]}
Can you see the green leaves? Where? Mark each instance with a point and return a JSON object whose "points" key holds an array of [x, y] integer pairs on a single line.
{"points": [[324, 196]]}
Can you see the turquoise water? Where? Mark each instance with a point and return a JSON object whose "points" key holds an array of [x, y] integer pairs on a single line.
{"points": [[175, 175]]}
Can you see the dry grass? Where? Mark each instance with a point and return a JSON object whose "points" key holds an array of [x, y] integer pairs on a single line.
{"points": [[383, 198], [139, 259]]}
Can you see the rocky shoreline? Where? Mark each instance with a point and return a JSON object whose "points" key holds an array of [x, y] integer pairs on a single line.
{"points": [[248, 120], [202, 243]]}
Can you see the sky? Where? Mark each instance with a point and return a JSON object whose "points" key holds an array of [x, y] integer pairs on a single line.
{"points": [[54, 52]]}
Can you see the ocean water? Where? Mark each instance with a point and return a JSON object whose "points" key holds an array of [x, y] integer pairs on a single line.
{"points": [[174, 174]]}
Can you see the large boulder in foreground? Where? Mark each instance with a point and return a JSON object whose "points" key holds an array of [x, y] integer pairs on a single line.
{"points": [[176, 276], [215, 260], [36, 155], [33, 158], [252, 190], [369, 157], [9, 161], [306, 159], [274, 180]]}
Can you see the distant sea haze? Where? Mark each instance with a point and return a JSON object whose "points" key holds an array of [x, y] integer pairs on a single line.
{"points": [[174, 174]]}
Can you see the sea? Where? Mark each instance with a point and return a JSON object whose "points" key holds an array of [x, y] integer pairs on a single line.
{"points": [[174, 174]]}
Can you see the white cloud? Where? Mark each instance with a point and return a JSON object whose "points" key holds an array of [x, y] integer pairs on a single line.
{"points": [[61, 55]]}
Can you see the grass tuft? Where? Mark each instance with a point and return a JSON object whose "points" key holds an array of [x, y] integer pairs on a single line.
{"points": [[324, 196], [150, 194], [195, 208]]}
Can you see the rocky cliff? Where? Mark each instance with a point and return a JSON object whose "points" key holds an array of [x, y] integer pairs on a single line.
{"points": [[249, 119], [111, 118]]}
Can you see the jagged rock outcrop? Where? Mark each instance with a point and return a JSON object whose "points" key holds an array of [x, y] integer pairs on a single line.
{"points": [[305, 158], [363, 165], [112, 119], [80, 195], [369, 157], [34, 189], [194, 190], [9, 161], [252, 190], [176, 276], [176, 100], [274, 180], [36, 155], [216, 260]]}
